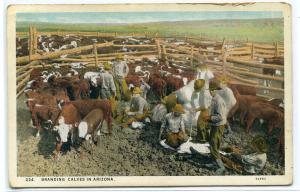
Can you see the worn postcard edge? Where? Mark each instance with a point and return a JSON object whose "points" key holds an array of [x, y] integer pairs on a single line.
{"points": [[17, 182]]}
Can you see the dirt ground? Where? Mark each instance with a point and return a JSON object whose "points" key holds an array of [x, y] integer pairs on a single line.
{"points": [[127, 152]]}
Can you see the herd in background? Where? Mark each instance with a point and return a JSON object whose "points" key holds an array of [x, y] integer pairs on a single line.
{"points": [[76, 103]]}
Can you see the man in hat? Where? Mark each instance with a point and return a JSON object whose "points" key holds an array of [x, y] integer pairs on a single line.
{"points": [[228, 97], [138, 108], [254, 162], [108, 88], [123, 107], [202, 122], [204, 74], [145, 87], [120, 71], [217, 121], [173, 124]]}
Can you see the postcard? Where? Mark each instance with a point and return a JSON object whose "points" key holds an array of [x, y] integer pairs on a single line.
{"points": [[115, 95]]}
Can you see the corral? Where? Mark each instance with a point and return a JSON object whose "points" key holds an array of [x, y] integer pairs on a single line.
{"points": [[137, 152]]}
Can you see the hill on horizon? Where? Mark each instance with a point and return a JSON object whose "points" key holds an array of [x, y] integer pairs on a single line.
{"points": [[262, 30]]}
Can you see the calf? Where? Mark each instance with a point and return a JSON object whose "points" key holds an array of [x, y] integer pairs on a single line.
{"points": [[66, 122], [158, 85], [243, 102], [172, 84], [41, 107], [267, 112], [85, 106], [134, 80], [84, 88], [243, 89], [90, 124]]}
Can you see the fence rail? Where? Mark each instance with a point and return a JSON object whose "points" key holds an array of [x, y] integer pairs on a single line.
{"points": [[236, 62]]}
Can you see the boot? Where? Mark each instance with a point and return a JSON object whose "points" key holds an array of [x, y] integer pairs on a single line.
{"points": [[221, 170]]}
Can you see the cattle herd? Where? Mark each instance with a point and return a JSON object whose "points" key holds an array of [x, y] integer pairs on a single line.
{"points": [[70, 95]]}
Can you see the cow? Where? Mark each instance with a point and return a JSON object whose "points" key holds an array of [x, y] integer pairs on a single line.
{"points": [[134, 80], [89, 125], [242, 104], [84, 88], [41, 107], [87, 105], [267, 112], [158, 85], [65, 124], [172, 84], [271, 72], [243, 89]]}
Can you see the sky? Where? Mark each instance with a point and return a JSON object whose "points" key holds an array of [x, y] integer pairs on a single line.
{"points": [[140, 17]]}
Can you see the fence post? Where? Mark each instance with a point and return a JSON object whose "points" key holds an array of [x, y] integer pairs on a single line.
{"points": [[252, 50], [34, 40], [158, 48], [96, 55], [224, 54], [192, 56], [30, 43], [164, 55], [276, 49]]}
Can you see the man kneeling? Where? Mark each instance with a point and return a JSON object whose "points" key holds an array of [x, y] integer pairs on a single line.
{"points": [[173, 124]]}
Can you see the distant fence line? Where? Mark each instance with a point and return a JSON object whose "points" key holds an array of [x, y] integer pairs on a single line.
{"points": [[218, 54]]}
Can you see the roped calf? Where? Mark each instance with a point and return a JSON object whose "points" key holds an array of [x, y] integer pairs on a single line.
{"points": [[85, 106], [91, 124]]}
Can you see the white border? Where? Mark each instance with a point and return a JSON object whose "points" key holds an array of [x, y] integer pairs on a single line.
{"points": [[296, 28]]}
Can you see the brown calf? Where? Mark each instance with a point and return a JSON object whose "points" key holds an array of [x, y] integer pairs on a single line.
{"points": [[267, 112]]}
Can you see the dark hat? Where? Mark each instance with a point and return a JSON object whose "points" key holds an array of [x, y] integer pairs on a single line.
{"points": [[213, 85]]}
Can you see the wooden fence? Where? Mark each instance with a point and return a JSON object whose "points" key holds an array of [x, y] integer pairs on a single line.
{"points": [[236, 62]]}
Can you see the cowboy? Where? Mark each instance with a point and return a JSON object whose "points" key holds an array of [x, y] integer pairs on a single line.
{"points": [[173, 124], [120, 71], [204, 73], [228, 97], [202, 122], [217, 121], [204, 94], [122, 107], [108, 88], [145, 87], [138, 110]]}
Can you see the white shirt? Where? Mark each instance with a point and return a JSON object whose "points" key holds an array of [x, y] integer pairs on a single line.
{"points": [[228, 97], [206, 75]]}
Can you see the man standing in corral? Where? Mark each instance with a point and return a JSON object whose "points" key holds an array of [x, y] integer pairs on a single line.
{"points": [[202, 124], [120, 71], [217, 121], [228, 97], [173, 124], [139, 108], [108, 88]]}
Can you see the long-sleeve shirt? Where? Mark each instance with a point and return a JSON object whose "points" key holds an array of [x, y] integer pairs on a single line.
{"points": [[228, 97], [138, 105], [172, 123], [108, 82], [145, 87], [120, 69], [218, 111]]}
